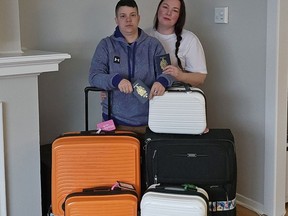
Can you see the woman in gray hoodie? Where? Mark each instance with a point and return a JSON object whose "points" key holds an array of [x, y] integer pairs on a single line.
{"points": [[128, 55]]}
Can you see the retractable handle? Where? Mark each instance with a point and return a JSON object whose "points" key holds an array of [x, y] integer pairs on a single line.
{"points": [[94, 89]]}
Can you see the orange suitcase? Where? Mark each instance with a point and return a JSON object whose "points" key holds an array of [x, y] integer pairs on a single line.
{"points": [[93, 160], [102, 202]]}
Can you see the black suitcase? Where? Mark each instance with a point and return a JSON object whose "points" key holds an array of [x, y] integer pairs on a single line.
{"points": [[208, 161]]}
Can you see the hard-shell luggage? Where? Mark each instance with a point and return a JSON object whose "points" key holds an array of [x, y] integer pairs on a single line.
{"points": [[174, 201], [208, 161], [88, 160], [102, 202], [179, 111]]}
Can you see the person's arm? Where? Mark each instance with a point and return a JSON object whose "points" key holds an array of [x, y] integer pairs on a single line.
{"points": [[192, 78], [194, 71], [99, 75]]}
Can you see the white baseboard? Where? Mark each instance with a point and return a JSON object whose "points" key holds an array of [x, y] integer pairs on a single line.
{"points": [[250, 204]]}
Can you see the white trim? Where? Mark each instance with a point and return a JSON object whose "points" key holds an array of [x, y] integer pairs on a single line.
{"points": [[250, 204], [3, 210], [275, 116], [30, 62]]}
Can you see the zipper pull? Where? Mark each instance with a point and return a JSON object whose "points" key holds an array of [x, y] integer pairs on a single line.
{"points": [[147, 140], [154, 154], [155, 179]]}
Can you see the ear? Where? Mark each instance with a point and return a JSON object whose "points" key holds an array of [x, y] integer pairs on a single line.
{"points": [[116, 20]]}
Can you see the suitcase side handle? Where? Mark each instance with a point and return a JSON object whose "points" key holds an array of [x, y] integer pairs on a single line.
{"points": [[181, 84], [101, 190], [94, 89]]}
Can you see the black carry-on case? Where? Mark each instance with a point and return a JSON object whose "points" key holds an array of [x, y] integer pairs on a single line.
{"points": [[208, 161]]}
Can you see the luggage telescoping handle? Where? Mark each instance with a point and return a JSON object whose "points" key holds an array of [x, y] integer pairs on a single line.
{"points": [[95, 89]]}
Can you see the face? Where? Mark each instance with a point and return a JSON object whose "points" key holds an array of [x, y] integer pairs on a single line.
{"points": [[168, 13], [127, 19]]}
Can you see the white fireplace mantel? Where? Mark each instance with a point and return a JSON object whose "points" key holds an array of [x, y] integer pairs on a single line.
{"points": [[19, 125], [30, 62], [19, 116]]}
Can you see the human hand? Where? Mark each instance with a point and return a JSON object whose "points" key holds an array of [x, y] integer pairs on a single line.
{"points": [[157, 89], [125, 86], [173, 71]]}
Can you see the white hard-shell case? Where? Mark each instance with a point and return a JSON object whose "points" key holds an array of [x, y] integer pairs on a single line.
{"points": [[178, 111], [172, 204]]}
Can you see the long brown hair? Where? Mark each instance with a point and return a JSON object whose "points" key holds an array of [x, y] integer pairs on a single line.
{"points": [[179, 25]]}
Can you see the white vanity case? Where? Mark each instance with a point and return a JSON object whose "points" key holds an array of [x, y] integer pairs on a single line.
{"points": [[179, 111], [174, 201]]}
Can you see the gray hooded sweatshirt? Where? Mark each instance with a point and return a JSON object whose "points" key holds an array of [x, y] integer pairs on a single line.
{"points": [[114, 59]]}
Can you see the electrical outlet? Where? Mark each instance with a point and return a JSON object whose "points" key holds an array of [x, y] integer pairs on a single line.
{"points": [[221, 15]]}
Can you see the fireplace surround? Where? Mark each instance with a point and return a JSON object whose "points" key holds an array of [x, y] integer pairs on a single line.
{"points": [[20, 188]]}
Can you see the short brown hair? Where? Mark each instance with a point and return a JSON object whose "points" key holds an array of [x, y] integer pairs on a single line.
{"points": [[129, 3]]}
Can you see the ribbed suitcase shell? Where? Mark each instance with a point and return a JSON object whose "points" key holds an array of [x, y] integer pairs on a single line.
{"points": [[83, 161], [178, 111], [102, 204], [174, 203]]}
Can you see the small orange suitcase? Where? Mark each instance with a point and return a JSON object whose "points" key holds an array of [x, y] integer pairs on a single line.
{"points": [[93, 160], [102, 202]]}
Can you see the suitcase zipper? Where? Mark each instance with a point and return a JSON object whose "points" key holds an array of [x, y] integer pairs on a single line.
{"points": [[155, 166], [191, 155]]}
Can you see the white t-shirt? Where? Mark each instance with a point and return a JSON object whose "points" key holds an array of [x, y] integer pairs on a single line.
{"points": [[190, 52]]}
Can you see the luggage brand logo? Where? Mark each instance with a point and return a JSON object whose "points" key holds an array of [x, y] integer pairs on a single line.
{"points": [[191, 155]]}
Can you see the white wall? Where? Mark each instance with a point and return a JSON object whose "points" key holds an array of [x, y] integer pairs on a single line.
{"points": [[9, 27], [76, 28], [276, 107], [235, 86], [236, 59]]}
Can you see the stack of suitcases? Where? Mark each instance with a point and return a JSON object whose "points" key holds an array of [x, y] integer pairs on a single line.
{"points": [[185, 171], [188, 168], [96, 173]]}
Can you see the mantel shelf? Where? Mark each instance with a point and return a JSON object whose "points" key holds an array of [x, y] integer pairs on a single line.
{"points": [[30, 62]]}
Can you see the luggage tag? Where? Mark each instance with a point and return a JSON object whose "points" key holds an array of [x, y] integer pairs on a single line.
{"points": [[141, 91], [123, 185], [106, 126]]}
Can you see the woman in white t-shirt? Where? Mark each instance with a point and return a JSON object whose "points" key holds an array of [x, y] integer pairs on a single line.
{"points": [[186, 52]]}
